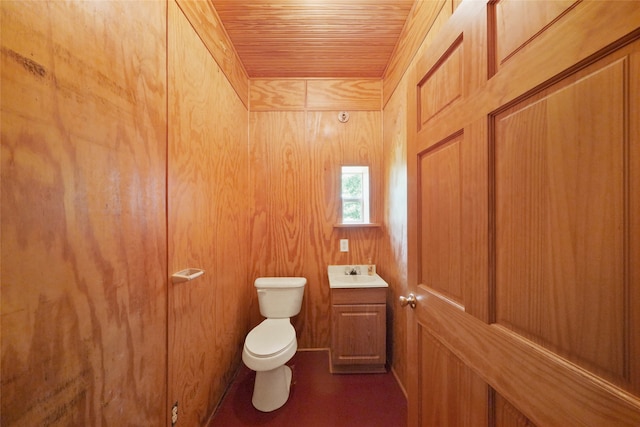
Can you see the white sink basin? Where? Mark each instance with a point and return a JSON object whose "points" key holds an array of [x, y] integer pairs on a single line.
{"points": [[337, 278], [354, 279]]}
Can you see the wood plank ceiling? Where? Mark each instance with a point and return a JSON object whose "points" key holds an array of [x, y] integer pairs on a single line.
{"points": [[314, 38]]}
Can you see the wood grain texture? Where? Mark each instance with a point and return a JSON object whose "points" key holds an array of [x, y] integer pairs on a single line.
{"points": [[315, 94], [463, 402], [633, 220], [417, 26], [507, 415], [569, 146], [301, 38], [549, 54], [295, 159], [358, 337], [279, 216], [560, 250], [83, 213], [278, 95], [474, 218], [539, 384], [397, 110], [333, 94], [394, 242], [206, 22], [443, 84], [208, 224], [513, 30], [343, 296], [439, 218], [467, 67]]}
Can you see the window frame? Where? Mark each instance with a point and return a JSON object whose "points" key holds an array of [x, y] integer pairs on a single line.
{"points": [[364, 201]]}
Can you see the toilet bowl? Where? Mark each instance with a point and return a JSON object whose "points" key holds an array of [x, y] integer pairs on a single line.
{"points": [[267, 348], [273, 342], [270, 344]]}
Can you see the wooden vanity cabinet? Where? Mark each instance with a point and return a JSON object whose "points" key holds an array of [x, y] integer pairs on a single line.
{"points": [[358, 330]]}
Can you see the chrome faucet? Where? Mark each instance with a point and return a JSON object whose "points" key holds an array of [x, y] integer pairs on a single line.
{"points": [[352, 271]]}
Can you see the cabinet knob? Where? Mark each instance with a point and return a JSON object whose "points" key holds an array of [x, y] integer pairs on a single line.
{"points": [[409, 300]]}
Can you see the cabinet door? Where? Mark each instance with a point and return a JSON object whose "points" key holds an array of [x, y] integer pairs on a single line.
{"points": [[358, 336]]}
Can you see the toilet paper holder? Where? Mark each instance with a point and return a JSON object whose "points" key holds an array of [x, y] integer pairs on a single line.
{"points": [[186, 275]]}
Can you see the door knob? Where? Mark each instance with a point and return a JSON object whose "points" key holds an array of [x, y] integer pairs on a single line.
{"points": [[409, 300]]}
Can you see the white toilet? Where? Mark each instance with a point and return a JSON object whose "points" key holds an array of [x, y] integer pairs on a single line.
{"points": [[273, 342]]}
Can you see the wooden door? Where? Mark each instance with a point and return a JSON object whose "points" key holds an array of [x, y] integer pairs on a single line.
{"points": [[524, 217]]}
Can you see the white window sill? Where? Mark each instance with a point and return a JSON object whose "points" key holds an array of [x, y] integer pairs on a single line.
{"points": [[357, 224]]}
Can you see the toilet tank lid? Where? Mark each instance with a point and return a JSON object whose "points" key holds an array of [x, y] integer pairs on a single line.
{"points": [[280, 282]]}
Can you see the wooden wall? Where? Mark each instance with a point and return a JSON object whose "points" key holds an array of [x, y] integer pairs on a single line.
{"points": [[84, 170], [297, 146], [84, 215], [83, 243], [205, 21], [394, 245], [208, 224]]}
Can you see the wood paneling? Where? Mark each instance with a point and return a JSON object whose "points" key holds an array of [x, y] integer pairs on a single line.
{"points": [[83, 213], [295, 180], [279, 195], [560, 222], [278, 156], [206, 22], [275, 95], [418, 24], [344, 94], [301, 38], [208, 224], [315, 94], [427, 16], [394, 242]]}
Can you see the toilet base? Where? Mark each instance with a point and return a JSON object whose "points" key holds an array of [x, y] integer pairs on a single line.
{"points": [[271, 388]]}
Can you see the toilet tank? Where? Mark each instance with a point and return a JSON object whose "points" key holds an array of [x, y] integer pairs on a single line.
{"points": [[280, 297]]}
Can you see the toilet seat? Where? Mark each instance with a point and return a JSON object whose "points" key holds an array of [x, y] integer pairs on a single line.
{"points": [[270, 337]]}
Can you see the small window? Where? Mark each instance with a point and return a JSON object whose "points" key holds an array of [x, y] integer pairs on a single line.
{"points": [[355, 194]]}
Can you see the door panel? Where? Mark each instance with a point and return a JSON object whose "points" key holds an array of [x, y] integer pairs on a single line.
{"points": [[542, 386], [453, 394], [524, 221], [513, 32], [439, 181], [507, 415], [560, 219], [443, 85]]}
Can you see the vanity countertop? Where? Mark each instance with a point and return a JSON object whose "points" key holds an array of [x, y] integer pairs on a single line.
{"points": [[338, 279]]}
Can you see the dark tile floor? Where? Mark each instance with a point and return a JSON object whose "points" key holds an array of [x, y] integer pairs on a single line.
{"points": [[318, 398]]}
